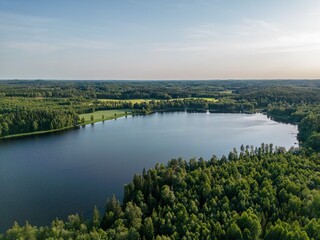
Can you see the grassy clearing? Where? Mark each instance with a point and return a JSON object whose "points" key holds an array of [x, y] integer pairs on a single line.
{"points": [[99, 116], [133, 101], [207, 99], [227, 92]]}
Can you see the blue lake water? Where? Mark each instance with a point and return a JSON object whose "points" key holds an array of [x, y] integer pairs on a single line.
{"points": [[43, 177]]}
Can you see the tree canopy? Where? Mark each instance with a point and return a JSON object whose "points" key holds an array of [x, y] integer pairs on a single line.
{"points": [[261, 193]]}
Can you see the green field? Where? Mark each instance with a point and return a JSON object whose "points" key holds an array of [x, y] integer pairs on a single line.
{"points": [[133, 101], [207, 99], [108, 114]]}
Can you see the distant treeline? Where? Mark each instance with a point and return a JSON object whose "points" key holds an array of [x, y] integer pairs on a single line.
{"points": [[149, 89], [55, 104], [253, 193]]}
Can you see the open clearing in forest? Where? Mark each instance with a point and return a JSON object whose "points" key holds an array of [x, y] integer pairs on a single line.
{"points": [[133, 101], [108, 114]]}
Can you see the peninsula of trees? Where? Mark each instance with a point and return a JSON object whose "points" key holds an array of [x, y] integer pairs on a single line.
{"points": [[261, 193]]}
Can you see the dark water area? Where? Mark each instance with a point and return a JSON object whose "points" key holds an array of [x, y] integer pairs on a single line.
{"points": [[44, 177]]}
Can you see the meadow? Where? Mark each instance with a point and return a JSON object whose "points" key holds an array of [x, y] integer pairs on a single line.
{"points": [[99, 116], [133, 101]]}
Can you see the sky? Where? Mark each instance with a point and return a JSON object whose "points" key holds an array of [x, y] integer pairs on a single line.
{"points": [[159, 39]]}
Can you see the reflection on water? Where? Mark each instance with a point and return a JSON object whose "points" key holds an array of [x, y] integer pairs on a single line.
{"points": [[42, 177]]}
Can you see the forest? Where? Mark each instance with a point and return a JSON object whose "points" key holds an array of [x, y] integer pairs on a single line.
{"points": [[254, 193], [261, 192], [31, 106]]}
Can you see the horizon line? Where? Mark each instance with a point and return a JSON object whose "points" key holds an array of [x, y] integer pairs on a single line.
{"points": [[214, 79]]}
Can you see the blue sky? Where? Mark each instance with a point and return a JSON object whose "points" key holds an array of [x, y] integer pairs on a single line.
{"points": [[163, 39]]}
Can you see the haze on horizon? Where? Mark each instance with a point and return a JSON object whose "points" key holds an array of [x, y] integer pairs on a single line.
{"points": [[167, 39]]}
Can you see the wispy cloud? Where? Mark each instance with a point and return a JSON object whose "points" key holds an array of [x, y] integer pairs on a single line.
{"points": [[30, 46], [24, 19], [184, 5], [253, 36], [19, 22], [42, 35], [41, 47]]}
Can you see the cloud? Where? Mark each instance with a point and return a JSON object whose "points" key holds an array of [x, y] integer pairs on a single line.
{"points": [[42, 35], [187, 5], [30, 46], [24, 23], [88, 44], [249, 36], [24, 19], [35, 47]]}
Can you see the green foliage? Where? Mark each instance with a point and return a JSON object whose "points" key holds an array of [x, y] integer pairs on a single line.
{"points": [[289, 101], [25, 121], [96, 218], [259, 194], [256, 193], [148, 229], [234, 232], [286, 231]]}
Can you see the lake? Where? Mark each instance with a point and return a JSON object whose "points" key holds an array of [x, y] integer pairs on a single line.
{"points": [[48, 176]]}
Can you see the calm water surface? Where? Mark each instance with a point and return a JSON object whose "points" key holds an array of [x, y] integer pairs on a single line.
{"points": [[44, 177]]}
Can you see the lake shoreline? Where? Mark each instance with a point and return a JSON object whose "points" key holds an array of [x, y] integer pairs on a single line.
{"points": [[64, 169], [21, 135]]}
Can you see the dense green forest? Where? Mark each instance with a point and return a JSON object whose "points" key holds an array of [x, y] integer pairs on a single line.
{"points": [[261, 193], [30, 106], [252, 193]]}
